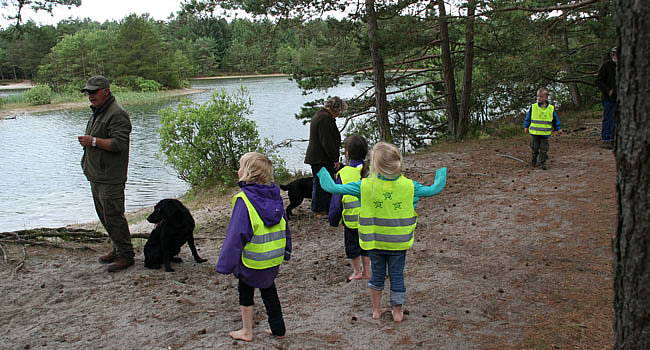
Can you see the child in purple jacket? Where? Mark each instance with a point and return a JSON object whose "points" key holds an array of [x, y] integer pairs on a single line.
{"points": [[256, 243]]}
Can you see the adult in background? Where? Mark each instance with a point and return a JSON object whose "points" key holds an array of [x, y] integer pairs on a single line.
{"points": [[323, 149], [606, 82], [105, 162]]}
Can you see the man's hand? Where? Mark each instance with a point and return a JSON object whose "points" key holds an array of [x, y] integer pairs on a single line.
{"points": [[86, 141]]}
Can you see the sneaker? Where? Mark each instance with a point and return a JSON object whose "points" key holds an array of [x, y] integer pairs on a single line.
{"points": [[120, 264], [108, 258]]}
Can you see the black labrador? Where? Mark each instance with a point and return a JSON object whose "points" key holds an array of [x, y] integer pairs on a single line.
{"points": [[298, 190], [174, 227]]}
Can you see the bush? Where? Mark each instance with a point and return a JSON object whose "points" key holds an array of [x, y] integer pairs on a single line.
{"points": [[38, 95], [72, 89], [203, 143], [146, 85]]}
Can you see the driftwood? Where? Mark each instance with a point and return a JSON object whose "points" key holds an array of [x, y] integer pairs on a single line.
{"points": [[511, 157], [51, 235]]}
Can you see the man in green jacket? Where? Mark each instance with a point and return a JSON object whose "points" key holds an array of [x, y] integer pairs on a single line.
{"points": [[105, 163]]}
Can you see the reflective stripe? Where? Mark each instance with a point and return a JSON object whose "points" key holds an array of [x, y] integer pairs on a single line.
{"points": [[368, 237], [388, 222], [352, 205], [542, 122], [349, 218], [540, 129], [273, 254], [268, 237]]}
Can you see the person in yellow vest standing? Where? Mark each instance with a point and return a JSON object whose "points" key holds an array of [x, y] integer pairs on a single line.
{"points": [[387, 220], [540, 122], [256, 243], [346, 208]]}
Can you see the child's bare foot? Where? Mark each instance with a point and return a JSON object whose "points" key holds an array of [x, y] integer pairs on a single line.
{"points": [[355, 276], [241, 335], [398, 314], [376, 314], [365, 276], [269, 332]]}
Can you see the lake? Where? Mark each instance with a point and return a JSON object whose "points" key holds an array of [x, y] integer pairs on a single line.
{"points": [[44, 186]]}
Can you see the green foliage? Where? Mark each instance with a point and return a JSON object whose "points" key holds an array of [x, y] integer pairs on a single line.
{"points": [[203, 143], [39, 95], [146, 85], [77, 57]]}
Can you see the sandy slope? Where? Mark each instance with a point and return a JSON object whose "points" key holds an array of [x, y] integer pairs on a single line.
{"points": [[507, 257]]}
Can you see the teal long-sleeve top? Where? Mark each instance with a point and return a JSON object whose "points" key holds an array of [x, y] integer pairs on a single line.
{"points": [[354, 188]]}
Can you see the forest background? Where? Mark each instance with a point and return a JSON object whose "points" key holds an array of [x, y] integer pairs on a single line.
{"points": [[436, 68]]}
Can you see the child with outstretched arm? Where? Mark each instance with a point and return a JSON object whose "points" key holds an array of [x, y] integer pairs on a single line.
{"points": [[387, 220], [256, 243]]}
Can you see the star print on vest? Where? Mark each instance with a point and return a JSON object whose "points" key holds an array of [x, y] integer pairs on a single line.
{"points": [[388, 195], [397, 205], [379, 204]]}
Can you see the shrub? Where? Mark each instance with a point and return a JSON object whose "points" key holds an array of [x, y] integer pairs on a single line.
{"points": [[203, 143], [146, 85], [38, 95]]}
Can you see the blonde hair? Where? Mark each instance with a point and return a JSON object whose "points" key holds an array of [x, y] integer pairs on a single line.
{"points": [[255, 167], [542, 90], [386, 160]]}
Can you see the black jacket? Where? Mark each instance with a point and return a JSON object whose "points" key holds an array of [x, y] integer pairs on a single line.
{"points": [[606, 80], [324, 140]]}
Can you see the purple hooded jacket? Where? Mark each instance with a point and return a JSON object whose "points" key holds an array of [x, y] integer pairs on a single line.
{"points": [[268, 204], [336, 206]]}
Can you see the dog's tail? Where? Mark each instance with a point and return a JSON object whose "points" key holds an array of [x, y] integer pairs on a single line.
{"points": [[284, 187]]}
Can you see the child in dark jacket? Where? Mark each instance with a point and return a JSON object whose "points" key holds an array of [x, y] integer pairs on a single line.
{"points": [[345, 208], [256, 243]]}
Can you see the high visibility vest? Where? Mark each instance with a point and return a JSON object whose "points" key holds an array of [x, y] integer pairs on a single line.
{"points": [[351, 204], [387, 218], [541, 120], [266, 248]]}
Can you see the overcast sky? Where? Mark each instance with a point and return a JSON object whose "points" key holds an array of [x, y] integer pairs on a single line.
{"points": [[100, 10]]}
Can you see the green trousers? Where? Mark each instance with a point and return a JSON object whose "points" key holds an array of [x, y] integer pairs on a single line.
{"points": [[109, 204]]}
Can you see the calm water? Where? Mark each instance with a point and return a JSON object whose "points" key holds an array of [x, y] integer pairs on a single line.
{"points": [[43, 185]]}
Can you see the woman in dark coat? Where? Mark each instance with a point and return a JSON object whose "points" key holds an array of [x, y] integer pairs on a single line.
{"points": [[323, 149]]}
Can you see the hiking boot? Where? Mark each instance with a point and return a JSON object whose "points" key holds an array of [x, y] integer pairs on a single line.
{"points": [[120, 264], [542, 166], [108, 258]]}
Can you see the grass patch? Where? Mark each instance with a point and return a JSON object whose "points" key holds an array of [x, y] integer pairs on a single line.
{"points": [[125, 97]]}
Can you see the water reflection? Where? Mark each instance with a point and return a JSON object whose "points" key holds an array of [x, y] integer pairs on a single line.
{"points": [[40, 155]]}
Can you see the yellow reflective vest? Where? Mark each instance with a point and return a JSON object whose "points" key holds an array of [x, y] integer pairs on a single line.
{"points": [[387, 218], [541, 120], [351, 204], [266, 248]]}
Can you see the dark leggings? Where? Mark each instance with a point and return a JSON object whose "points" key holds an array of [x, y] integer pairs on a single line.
{"points": [[271, 302]]}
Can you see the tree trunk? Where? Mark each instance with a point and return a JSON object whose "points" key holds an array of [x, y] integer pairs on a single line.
{"points": [[573, 87], [466, 97], [378, 71], [448, 73], [632, 242]]}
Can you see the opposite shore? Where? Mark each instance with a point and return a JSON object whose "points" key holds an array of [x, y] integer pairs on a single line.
{"points": [[14, 112]]}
